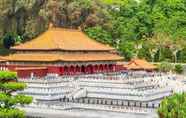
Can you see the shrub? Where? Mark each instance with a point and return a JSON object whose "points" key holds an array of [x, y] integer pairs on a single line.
{"points": [[173, 107], [178, 69], [165, 67], [10, 39]]}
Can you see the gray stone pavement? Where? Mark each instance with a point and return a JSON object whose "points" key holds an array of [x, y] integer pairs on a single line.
{"points": [[81, 113]]}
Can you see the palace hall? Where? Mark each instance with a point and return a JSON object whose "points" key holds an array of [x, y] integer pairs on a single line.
{"points": [[63, 52]]}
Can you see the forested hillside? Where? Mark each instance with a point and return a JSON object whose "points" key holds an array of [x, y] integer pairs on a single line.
{"points": [[151, 29]]}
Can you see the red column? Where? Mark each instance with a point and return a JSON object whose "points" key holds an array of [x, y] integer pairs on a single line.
{"points": [[102, 67], [86, 69], [72, 70], [77, 70], [110, 67], [98, 68], [106, 68], [95, 68], [82, 69], [114, 68], [90, 69], [65, 70], [61, 70]]}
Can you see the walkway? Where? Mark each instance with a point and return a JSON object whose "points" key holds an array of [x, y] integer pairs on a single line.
{"points": [[47, 113]]}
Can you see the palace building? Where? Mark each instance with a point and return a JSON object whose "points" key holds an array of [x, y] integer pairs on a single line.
{"points": [[140, 64], [63, 52], [65, 69]]}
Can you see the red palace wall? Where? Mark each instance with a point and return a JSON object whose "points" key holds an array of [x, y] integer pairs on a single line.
{"points": [[26, 71], [54, 69]]}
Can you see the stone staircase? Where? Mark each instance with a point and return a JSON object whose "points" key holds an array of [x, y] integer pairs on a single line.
{"points": [[78, 92]]}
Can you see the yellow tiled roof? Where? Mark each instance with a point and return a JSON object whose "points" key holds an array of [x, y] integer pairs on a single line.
{"points": [[63, 57], [133, 66], [62, 39], [1, 59], [140, 64]]}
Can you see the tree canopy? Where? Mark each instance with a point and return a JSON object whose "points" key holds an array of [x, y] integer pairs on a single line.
{"points": [[8, 98]]}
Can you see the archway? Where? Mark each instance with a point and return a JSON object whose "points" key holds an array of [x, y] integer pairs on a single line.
{"points": [[110, 67], [90, 69], [101, 68], [82, 69], [106, 68], [72, 70], [66, 70], [96, 68], [77, 69]]}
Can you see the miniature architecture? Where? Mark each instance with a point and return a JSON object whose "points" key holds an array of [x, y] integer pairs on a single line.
{"points": [[66, 66], [63, 52], [140, 64]]}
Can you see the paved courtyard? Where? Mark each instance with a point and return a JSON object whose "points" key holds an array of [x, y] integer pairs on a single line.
{"points": [[46, 113]]}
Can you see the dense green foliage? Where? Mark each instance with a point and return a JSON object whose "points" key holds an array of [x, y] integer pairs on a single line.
{"points": [[165, 67], [10, 39], [173, 107], [99, 34], [31, 17], [160, 25], [9, 100], [170, 67], [179, 69]]}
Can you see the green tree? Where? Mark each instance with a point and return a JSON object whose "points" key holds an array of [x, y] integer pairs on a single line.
{"points": [[152, 48], [178, 69], [127, 49], [165, 67], [173, 107], [99, 34], [173, 14], [9, 40], [144, 53], [8, 98], [160, 40], [176, 46], [182, 56], [113, 2]]}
